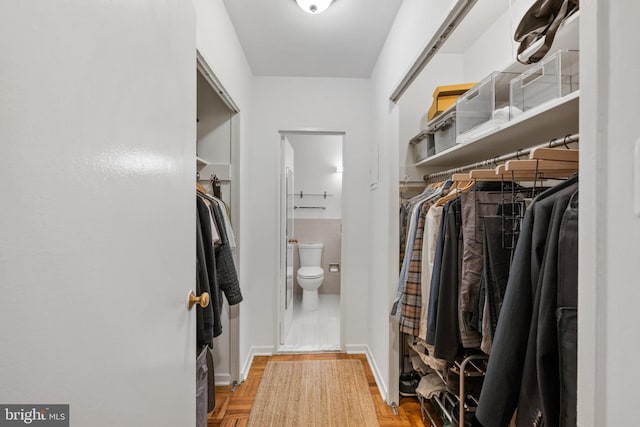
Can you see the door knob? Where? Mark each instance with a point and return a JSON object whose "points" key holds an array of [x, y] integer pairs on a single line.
{"points": [[203, 300]]}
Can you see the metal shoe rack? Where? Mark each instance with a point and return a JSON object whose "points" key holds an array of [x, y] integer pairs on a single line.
{"points": [[469, 367]]}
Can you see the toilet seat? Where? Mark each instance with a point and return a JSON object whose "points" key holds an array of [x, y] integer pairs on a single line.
{"points": [[310, 272]]}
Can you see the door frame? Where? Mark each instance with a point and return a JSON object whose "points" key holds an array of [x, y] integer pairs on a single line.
{"points": [[281, 231], [234, 311]]}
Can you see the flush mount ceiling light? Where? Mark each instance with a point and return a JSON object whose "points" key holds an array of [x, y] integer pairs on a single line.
{"points": [[314, 7]]}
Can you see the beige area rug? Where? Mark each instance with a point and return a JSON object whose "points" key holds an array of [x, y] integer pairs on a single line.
{"points": [[327, 393]]}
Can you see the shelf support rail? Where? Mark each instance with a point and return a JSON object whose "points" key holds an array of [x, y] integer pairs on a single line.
{"points": [[438, 176]]}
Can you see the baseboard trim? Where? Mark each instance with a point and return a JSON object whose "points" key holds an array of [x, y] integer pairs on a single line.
{"points": [[356, 348], [223, 379], [382, 386], [267, 350]]}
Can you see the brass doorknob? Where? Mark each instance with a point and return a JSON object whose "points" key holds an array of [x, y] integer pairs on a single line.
{"points": [[203, 300]]}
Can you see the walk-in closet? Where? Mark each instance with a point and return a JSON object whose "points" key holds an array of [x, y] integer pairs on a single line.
{"points": [[470, 254], [487, 302]]}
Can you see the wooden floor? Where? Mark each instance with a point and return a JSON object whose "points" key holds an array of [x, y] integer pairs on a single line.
{"points": [[233, 408]]}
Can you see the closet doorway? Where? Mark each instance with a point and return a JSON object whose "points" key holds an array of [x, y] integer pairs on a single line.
{"points": [[217, 171], [311, 242]]}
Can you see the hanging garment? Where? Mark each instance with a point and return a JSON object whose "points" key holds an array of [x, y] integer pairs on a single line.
{"points": [[476, 205], [539, 393], [407, 209], [409, 246], [225, 267], [432, 310], [202, 388], [567, 314], [411, 300], [429, 243], [215, 234], [227, 221], [501, 388], [211, 380], [446, 338], [209, 324], [496, 267]]}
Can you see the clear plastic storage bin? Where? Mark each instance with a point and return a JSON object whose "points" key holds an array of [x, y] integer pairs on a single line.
{"points": [[443, 131], [439, 135], [423, 147], [484, 107], [554, 77]]}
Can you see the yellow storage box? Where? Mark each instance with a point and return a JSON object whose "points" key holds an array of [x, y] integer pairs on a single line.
{"points": [[445, 96]]}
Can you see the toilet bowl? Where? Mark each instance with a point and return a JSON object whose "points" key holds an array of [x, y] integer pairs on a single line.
{"points": [[310, 275]]}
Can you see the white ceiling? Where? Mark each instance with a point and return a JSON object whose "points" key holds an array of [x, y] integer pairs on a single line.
{"points": [[279, 39]]}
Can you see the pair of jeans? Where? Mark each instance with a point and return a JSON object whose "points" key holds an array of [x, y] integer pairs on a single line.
{"points": [[497, 264]]}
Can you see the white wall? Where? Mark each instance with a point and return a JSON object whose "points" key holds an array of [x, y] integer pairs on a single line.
{"points": [[415, 24], [444, 69], [214, 125], [495, 49], [307, 104], [219, 45], [609, 251], [316, 158]]}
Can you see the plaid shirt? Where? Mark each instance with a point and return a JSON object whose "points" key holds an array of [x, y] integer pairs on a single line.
{"points": [[411, 300]]}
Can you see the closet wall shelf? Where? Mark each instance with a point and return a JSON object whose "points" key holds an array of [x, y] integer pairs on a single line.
{"points": [[201, 163], [556, 118]]}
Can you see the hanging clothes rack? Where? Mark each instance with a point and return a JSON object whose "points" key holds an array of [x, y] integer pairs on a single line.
{"points": [[438, 176]]}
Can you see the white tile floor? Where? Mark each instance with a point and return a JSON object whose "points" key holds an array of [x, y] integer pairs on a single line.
{"points": [[317, 330]]}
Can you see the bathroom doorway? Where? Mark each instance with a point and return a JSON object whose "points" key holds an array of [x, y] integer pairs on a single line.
{"points": [[311, 242]]}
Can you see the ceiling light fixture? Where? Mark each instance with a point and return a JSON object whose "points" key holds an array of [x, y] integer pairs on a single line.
{"points": [[314, 7]]}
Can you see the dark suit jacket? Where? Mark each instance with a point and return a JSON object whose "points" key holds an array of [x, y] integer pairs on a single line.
{"points": [[209, 324], [540, 390], [501, 388], [227, 274]]}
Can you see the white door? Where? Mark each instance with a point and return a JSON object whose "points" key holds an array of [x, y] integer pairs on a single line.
{"points": [[287, 245], [97, 210]]}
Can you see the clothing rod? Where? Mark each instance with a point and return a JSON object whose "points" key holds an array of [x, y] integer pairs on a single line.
{"points": [[500, 159], [309, 207]]}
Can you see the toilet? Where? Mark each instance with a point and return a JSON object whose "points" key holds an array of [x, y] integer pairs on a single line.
{"points": [[310, 275]]}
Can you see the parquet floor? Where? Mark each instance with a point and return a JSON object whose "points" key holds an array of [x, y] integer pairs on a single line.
{"points": [[233, 408]]}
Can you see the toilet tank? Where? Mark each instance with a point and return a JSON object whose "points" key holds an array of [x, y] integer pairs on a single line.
{"points": [[310, 254]]}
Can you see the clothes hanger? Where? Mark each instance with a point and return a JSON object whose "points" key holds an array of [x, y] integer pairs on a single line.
{"points": [[543, 168], [565, 155], [454, 191], [461, 177], [540, 165], [200, 188], [499, 174]]}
